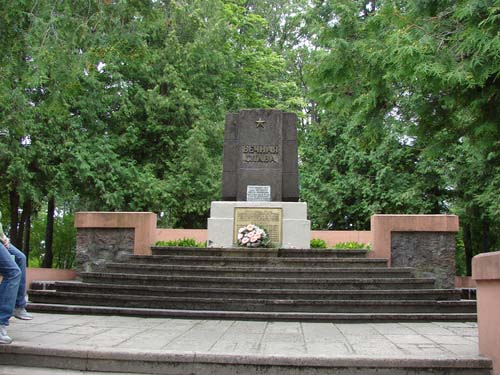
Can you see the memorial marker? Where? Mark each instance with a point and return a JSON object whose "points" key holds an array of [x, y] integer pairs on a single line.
{"points": [[260, 149], [260, 182]]}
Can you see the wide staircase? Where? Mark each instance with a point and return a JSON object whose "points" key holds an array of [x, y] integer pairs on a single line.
{"points": [[255, 284]]}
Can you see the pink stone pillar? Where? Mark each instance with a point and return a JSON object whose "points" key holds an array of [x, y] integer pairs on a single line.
{"points": [[143, 223], [382, 227], [486, 273]]}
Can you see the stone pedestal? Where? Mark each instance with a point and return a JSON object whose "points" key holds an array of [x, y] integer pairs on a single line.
{"points": [[295, 228]]}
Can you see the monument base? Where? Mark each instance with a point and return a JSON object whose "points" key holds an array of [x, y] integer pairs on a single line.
{"points": [[287, 221]]}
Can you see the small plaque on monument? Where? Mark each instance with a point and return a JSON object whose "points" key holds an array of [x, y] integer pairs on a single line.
{"points": [[269, 219], [258, 193]]}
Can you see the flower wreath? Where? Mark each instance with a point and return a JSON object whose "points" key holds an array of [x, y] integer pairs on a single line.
{"points": [[252, 236]]}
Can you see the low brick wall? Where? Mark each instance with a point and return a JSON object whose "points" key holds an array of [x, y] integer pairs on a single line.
{"points": [[466, 282], [199, 235], [331, 237], [48, 274], [486, 273]]}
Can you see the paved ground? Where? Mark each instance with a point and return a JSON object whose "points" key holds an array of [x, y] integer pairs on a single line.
{"points": [[372, 340], [18, 370]]}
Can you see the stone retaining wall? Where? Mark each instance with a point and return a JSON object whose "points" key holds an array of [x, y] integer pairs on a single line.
{"points": [[97, 246], [432, 254]]}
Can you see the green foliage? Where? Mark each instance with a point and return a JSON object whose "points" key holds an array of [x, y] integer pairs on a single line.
{"points": [[460, 262], [120, 106], [317, 243], [64, 246], [346, 181], [407, 114], [183, 242], [352, 245]]}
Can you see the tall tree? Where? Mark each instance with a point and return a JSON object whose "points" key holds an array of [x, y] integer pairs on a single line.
{"points": [[108, 117], [425, 73]]}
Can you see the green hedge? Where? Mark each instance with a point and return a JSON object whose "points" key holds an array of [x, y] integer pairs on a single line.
{"points": [[182, 242], [317, 243]]}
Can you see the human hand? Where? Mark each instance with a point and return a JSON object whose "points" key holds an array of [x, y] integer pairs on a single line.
{"points": [[6, 241]]}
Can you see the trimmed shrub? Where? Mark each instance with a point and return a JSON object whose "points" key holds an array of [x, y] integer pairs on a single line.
{"points": [[352, 245], [182, 242], [317, 243]]}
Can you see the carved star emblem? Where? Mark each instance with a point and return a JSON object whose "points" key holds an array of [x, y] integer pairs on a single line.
{"points": [[260, 123]]}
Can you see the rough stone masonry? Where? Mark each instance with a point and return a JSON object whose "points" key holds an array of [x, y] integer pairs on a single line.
{"points": [[260, 151]]}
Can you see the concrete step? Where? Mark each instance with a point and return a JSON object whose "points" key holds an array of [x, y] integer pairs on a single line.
{"points": [[252, 315], [95, 361], [239, 261], [31, 370], [226, 292], [259, 282], [255, 284], [261, 305], [279, 272], [258, 252]]}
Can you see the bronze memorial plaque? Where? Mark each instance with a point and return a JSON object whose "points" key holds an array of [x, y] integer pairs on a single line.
{"points": [[269, 219]]}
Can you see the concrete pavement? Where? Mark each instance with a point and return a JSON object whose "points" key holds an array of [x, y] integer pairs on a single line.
{"points": [[257, 340], [437, 339]]}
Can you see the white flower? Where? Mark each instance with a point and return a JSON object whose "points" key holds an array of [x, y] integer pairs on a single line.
{"points": [[251, 235]]}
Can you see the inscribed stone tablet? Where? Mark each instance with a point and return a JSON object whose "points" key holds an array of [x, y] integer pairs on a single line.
{"points": [[258, 193], [269, 219]]}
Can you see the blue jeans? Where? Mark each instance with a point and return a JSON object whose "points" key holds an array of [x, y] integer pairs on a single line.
{"points": [[13, 286]]}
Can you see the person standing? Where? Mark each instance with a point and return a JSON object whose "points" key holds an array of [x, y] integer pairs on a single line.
{"points": [[13, 286]]}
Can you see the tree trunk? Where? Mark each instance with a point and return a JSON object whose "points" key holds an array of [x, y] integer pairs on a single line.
{"points": [[468, 249], [485, 236], [20, 232], [27, 228], [14, 217], [22, 223], [49, 234]]}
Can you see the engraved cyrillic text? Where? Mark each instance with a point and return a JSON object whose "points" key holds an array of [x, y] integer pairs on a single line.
{"points": [[260, 153]]}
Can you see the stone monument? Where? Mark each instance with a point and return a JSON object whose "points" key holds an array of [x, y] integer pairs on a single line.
{"points": [[260, 180], [260, 157]]}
